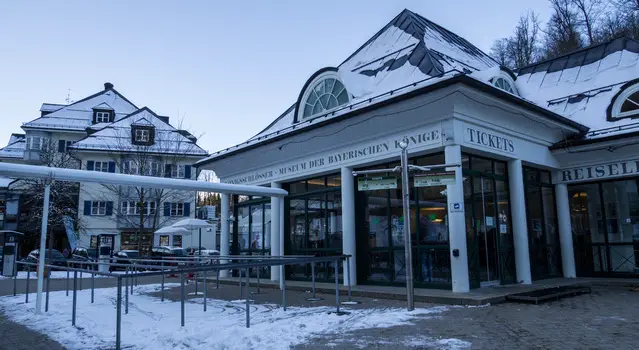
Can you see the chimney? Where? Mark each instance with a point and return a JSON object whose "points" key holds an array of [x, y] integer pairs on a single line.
{"points": [[108, 86]]}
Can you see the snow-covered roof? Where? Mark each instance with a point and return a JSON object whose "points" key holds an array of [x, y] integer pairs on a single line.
{"points": [[5, 181], [116, 137], [50, 107], [582, 84], [14, 149], [79, 115], [15, 137], [103, 106]]}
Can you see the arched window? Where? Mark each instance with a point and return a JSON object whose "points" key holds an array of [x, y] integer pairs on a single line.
{"points": [[504, 83], [325, 94], [626, 105]]}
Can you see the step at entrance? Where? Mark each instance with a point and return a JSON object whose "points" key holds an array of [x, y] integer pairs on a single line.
{"points": [[553, 293]]}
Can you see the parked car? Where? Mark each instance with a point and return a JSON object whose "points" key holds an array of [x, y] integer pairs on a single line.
{"points": [[57, 259], [123, 257], [193, 250], [208, 252], [169, 253], [89, 253]]}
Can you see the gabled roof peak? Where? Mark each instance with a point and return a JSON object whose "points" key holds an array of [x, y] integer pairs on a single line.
{"points": [[104, 106]]}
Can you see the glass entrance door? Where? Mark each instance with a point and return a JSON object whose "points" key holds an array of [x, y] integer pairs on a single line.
{"points": [[486, 227]]}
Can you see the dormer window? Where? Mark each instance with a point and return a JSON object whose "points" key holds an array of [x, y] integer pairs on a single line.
{"points": [[504, 82], [625, 104], [102, 117], [142, 135], [324, 93]]}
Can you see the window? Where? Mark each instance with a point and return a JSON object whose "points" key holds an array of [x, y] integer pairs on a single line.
{"points": [[36, 143], [324, 95], [164, 240], [626, 104], [63, 146], [131, 167], [101, 166], [131, 208], [98, 208], [102, 117], [177, 171], [153, 169], [177, 209], [142, 135], [504, 83]]}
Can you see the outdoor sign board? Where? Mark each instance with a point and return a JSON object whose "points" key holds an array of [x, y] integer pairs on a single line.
{"points": [[376, 183], [441, 178]]}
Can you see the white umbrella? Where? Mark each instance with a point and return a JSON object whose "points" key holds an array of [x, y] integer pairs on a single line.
{"points": [[192, 224]]}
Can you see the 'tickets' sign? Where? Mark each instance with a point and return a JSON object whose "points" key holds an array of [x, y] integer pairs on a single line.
{"points": [[595, 172], [479, 137]]}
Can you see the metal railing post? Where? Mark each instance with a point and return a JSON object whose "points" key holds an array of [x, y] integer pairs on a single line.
{"points": [[46, 298], [15, 282], [67, 294], [75, 296], [26, 300], [239, 271], [204, 298], [283, 287], [258, 279], [182, 298], [314, 297], [126, 296], [80, 280], [162, 286], [92, 286], [337, 285], [217, 279], [248, 322], [118, 322]]}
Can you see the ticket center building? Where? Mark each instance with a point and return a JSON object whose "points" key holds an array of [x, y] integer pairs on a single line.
{"points": [[546, 184]]}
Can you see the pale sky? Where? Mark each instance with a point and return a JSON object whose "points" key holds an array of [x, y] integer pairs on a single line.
{"points": [[228, 68]]}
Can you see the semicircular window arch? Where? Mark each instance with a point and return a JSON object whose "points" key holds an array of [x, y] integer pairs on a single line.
{"points": [[504, 83], [324, 95], [627, 104]]}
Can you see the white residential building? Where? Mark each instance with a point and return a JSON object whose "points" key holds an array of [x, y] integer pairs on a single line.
{"points": [[106, 132]]}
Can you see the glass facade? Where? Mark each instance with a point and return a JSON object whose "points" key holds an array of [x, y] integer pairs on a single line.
{"points": [[605, 223], [313, 211], [489, 236], [252, 229], [380, 224], [541, 216]]}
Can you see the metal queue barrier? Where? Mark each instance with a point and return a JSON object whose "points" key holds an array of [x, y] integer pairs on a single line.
{"points": [[157, 267]]}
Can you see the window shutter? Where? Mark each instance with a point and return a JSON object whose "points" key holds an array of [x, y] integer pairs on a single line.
{"points": [[167, 170], [87, 208], [90, 164], [94, 116], [187, 171], [125, 167], [167, 209], [62, 145], [112, 116], [112, 167], [187, 209], [109, 208]]}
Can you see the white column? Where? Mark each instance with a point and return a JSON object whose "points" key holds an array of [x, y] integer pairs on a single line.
{"points": [[518, 215], [565, 231], [348, 224], [457, 223], [224, 230], [275, 231]]}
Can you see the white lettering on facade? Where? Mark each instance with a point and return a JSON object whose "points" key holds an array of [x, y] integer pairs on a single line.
{"points": [[486, 139], [598, 172]]}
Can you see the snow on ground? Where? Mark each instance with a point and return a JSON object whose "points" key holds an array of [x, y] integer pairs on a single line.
{"points": [[152, 324]]}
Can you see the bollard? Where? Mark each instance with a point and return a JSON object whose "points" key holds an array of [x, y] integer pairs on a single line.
{"points": [[26, 300], [337, 285], [204, 298], [46, 302], [162, 286], [217, 279], [283, 286], [118, 321], [92, 286], [314, 298], [182, 297], [75, 296], [248, 324]]}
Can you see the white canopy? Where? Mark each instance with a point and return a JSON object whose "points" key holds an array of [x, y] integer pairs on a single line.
{"points": [[172, 229], [192, 224]]}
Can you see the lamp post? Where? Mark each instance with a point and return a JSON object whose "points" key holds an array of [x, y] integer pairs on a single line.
{"points": [[408, 253]]}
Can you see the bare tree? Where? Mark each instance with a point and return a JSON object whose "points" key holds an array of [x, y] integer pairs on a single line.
{"points": [[562, 30], [589, 16], [499, 51], [63, 201], [164, 157], [522, 48]]}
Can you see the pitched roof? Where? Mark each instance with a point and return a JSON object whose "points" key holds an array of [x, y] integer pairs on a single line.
{"points": [[116, 137], [408, 50], [14, 149], [50, 107], [78, 115], [581, 85]]}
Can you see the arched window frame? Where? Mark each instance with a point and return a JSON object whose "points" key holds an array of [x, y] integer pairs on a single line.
{"points": [[619, 100], [309, 89], [508, 80]]}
